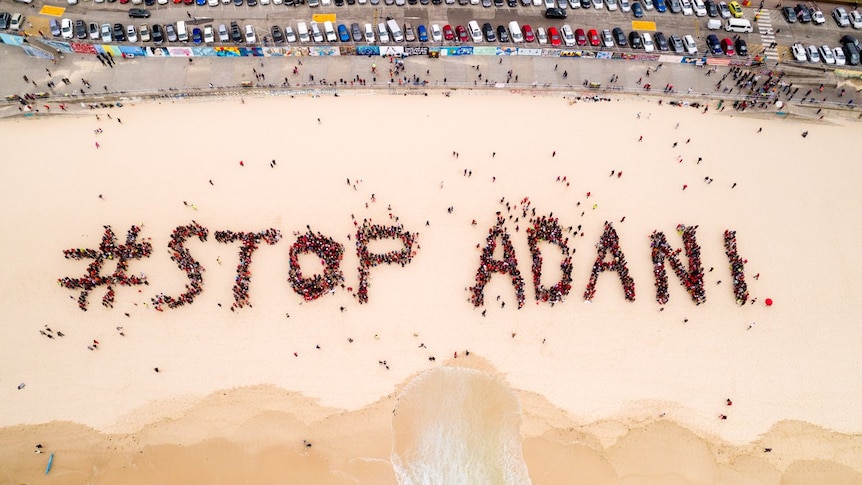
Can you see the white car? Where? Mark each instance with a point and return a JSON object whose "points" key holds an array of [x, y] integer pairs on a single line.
{"points": [[689, 45], [222, 33], [612, 5], [209, 38], [289, 34], [813, 54], [369, 34], [326, 3], [826, 55], [131, 33], [699, 8], [72, 2], [264, 2], [818, 18], [568, 35], [649, 46], [856, 19], [107, 36], [475, 32], [436, 33], [686, 8], [550, 4], [94, 31], [250, 38], [607, 38], [798, 52], [840, 60], [162, 2], [648, 4], [625, 6], [573, 4], [213, 3], [66, 29], [841, 17], [145, 33], [597, 4], [541, 36]]}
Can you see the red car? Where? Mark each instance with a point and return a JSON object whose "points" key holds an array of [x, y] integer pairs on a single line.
{"points": [[462, 33], [448, 34], [594, 38], [554, 36], [529, 36], [580, 37], [727, 47]]}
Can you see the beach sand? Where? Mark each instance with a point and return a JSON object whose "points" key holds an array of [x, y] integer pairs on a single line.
{"points": [[609, 391]]}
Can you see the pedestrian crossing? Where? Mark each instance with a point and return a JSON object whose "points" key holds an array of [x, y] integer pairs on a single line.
{"points": [[767, 35]]}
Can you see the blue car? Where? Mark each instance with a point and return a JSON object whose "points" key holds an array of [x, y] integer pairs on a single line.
{"points": [[713, 44], [343, 34], [196, 35], [422, 33], [637, 10], [660, 6], [201, 2]]}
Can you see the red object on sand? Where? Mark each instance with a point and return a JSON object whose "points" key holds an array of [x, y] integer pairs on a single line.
{"points": [[769, 302]]}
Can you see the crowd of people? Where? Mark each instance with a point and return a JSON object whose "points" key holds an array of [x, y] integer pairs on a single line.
{"points": [[111, 251], [740, 289], [610, 241], [250, 242], [692, 278], [368, 232], [488, 265], [330, 253], [548, 229], [187, 263]]}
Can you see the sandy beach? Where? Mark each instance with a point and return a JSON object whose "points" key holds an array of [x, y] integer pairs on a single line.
{"points": [[601, 391]]}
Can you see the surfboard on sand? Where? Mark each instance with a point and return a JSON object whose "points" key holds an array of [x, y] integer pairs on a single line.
{"points": [[50, 463]]}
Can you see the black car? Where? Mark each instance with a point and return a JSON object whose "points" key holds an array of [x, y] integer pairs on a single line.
{"points": [[803, 13], [489, 32], [157, 34], [5, 18], [339, 3], [251, 3], [235, 33], [586, 4], [741, 48], [277, 35], [555, 13], [237, 3], [149, 3], [635, 40], [139, 13], [661, 42], [119, 32], [711, 8], [356, 32], [512, 3], [849, 39], [789, 14], [502, 33], [498, 3], [619, 36], [80, 29]]}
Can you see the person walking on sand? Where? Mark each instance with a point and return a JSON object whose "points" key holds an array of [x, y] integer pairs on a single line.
{"points": [[97, 145]]}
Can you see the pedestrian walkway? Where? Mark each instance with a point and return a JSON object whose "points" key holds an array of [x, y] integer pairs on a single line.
{"points": [[767, 36]]}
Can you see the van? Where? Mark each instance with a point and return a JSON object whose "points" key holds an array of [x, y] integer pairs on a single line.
{"points": [[851, 54], [473, 30], [182, 33], [329, 31], [515, 32], [738, 25], [713, 24], [382, 33], [302, 31], [395, 30]]}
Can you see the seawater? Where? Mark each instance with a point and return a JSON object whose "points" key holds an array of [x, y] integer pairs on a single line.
{"points": [[458, 426]]}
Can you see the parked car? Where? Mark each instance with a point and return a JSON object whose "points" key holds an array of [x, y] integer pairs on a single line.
{"points": [[502, 34], [649, 45], [580, 37], [660, 6], [541, 36], [290, 35], [355, 32], [789, 14], [856, 19], [158, 34], [6, 17], [826, 55], [687, 8], [661, 42], [711, 8], [131, 33], [554, 36], [222, 33], [690, 45], [635, 40], [593, 36], [803, 13], [555, 13], [568, 35], [409, 34], [728, 47], [119, 33], [343, 34], [66, 29], [277, 34], [488, 32], [637, 10], [197, 35], [741, 47], [436, 33], [818, 18], [723, 10], [619, 37], [250, 37], [54, 25], [712, 44], [448, 33], [735, 9], [94, 31], [839, 14], [813, 54], [171, 33], [529, 36], [80, 29], [607, 38], [235, 33], [462, 34], [840, 60], [798, 52], [676, 44]]}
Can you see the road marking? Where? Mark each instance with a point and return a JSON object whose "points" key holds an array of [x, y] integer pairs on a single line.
{"points": [[767, 35], [52, 11]]}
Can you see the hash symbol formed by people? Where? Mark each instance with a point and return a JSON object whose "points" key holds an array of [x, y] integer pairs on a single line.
{"points": [[108, 250]]}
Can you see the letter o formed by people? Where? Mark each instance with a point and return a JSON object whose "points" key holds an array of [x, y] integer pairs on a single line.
{"points": [[330, 253]]}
